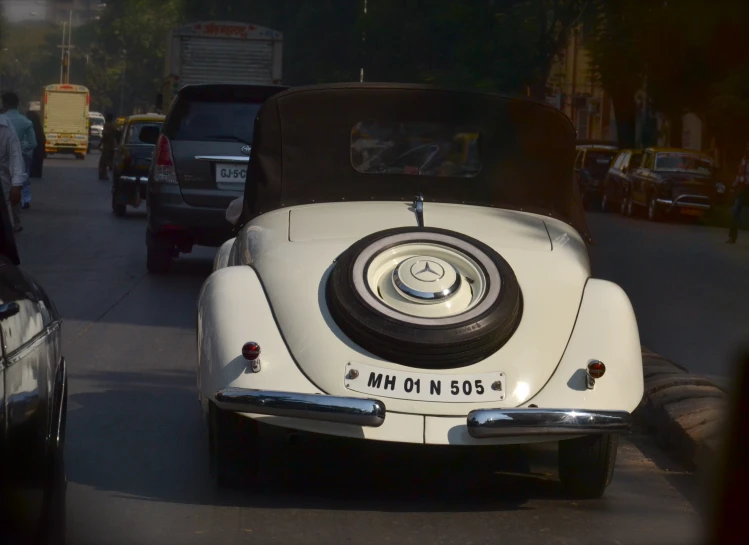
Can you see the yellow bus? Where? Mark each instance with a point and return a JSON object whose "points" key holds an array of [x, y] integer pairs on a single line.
{"points": [[65, 114]]}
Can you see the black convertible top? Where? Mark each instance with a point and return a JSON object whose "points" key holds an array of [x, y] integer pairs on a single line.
{"points": [[302, 150]]}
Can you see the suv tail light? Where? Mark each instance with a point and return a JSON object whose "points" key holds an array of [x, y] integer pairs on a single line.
{"points": [[163, 166]]}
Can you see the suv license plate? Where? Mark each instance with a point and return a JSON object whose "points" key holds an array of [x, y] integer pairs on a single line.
{"points": [[380, 382], [231, 173]]}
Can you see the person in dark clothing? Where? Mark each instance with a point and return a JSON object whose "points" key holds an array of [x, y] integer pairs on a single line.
{"points": [[741, 190], [108, 143], [40, 153]]}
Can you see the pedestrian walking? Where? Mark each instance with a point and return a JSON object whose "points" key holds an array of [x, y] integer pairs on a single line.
{"points": [[741, 191], [108, 143], [12, 170], [40, 153], [25, 132]]}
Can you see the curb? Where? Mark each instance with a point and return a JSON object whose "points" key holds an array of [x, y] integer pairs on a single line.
{"points": [[685, 412]]}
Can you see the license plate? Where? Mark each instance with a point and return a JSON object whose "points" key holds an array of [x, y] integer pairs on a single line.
{"points": [[379, 382], [231, 173], [691, 212]]}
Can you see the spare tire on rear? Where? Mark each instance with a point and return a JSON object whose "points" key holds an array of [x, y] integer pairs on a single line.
{"points": [[424, 297]]}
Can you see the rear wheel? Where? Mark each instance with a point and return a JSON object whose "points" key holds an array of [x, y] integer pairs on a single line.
{"points": [[654, 213], [623, 205], [158, 260], [605, 204], [233, 454], [118, 208], [630, 208], [586, 465]]}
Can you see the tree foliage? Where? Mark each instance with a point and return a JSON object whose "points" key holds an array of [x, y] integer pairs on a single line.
{"points": [[690, 56]]}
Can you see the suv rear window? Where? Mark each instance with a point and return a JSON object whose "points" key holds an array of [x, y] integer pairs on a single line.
{"points": [[217, 113]]}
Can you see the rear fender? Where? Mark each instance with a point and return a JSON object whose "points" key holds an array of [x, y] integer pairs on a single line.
{"points": [[605, 330], [233, 310], [222, 255]]}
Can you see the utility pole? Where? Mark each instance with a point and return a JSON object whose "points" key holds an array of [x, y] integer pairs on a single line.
{"points": [[70, 37], [65, 49], [363, 41], [122, 89], [62, 53]]}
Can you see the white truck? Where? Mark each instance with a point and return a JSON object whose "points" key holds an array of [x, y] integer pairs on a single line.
{"points": [[65, 114], [220, 52]]}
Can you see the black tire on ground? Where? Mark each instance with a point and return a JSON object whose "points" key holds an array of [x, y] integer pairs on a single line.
{"points": [[233, 448], [631, 208], [435, 346], [158, 260], [118, 208], [605, 203], [586, 465], [654, 213], [623, 205], [52, 527]]}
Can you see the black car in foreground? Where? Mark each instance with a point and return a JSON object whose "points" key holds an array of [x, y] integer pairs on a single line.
{"points": [[199, 167], [33, 404]]}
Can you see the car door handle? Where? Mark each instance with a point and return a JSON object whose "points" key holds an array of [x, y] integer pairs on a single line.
{"points": [[8, 310]]}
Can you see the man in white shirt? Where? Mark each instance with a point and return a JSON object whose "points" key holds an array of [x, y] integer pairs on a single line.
{"points": [[12, 170]]}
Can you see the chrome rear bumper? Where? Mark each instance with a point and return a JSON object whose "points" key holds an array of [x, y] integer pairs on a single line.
{"points": [[481, 424], [702, 204], [343, 410], [135, 179], [485, 423]]}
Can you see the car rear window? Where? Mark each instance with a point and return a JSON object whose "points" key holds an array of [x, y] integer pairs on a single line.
{"points": [[597, 162], [216, 113], [133, 131], [426, 149]]}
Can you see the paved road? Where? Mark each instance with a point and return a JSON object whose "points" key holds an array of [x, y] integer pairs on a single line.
{"points": [[689, 289], [137, 456]]}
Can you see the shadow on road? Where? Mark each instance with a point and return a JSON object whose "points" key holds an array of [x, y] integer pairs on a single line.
{"points": [[131, 438]]}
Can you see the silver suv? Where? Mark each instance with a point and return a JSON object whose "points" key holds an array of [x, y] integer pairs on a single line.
{"points": [[199, 166]]}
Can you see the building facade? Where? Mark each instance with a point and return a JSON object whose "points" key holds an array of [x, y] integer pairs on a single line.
{"points": [[573, 89]]}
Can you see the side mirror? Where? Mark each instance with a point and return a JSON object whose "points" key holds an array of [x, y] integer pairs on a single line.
{"points": [[159, 101], [149, 134]]}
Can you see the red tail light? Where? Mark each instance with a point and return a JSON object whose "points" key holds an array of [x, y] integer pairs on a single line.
{"points": [[163, 171]]}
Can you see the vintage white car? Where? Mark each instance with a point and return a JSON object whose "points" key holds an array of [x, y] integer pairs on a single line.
{"points": [[465, 315]]}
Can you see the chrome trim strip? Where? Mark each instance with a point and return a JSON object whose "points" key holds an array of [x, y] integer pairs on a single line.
{"points": [[134, 178], [341, 410], [32, 344], [485, 423], [676, 202], [223, 159], [419, 209]]}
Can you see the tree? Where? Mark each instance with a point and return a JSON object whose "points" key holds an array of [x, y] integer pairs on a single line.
{"points": [[127, 52], [614, 38]]}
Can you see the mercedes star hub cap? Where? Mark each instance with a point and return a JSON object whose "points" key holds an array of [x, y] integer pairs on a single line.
{"points": [[426, 279]]}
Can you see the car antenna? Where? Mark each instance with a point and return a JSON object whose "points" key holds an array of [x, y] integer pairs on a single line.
{"points": [[418, 209]]}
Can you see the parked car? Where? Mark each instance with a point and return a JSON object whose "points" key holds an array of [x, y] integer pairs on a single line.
{"points": [[33, 397], [199, 167], [345, 308], [616, 184], [675, 180], [132, 161], [591, 165]]}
